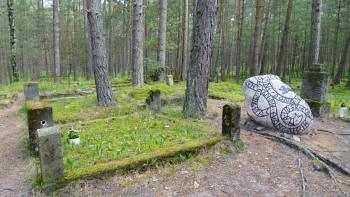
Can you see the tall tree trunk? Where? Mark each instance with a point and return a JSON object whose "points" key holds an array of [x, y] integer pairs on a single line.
{"points": [[254, 68], [11, 17], [137, 44], [284, 43], [240, 20], [343, 61], [56, 40], [98, 45], [184, 39], [315, 30], [88, 66], [198, 72], [222, 40], [110, 53], [337, 22], [264, 41], [162, 32]]}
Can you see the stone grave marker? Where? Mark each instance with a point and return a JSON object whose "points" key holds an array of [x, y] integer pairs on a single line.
{"points": [[153, 100], [231, 116], [31, 91], [39, 116], [51, 155], [169, 80]]}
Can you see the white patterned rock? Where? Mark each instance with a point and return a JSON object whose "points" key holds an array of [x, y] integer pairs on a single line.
{"points": [[272, 103]]}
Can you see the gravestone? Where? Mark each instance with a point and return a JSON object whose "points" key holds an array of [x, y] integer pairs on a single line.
{"points": [[169, 80], [272, 103], [39, 116], [314, 89], [31, 91], [51, 156], [153, 100], [231, 115]]}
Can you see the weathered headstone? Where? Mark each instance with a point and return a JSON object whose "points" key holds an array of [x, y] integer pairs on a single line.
{"points": [[31, 91], [231, 115], [39, 116], [153, 100], [272, 103], [51, 156], [314, 89], [169, 80]]}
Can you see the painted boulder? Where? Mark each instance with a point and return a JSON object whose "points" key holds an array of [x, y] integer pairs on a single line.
{"points": [[272, 103]]}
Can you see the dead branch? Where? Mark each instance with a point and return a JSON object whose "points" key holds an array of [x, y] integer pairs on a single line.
{"points": [[331, 132], [303, 179]]}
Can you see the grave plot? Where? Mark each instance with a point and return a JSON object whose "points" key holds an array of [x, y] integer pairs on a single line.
{"points": [[7, 99]]}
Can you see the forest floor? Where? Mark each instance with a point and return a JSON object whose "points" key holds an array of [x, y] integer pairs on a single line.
{"points": [[16, 169], [262, 168]]}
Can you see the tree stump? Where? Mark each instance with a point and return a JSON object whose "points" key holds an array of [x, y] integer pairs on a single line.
{"points": [[231, 116], [153, 100], [31, 91], [39, 116], [51, 155], [169, 80]]}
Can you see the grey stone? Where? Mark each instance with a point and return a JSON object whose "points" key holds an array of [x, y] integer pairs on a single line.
{"points": [[169, 80], [272, 103], [38, 116], [231, 116], [51, 155], [31, 91], [314, 89], [153, 100]]}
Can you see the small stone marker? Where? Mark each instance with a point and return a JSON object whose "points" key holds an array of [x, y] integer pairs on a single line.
{"points": [[231, 116], [39, 116], [169, 80], [153, 100], [51, 157], [31, 91], [314, 89]]}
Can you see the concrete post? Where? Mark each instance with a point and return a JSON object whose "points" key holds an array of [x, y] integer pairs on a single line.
{"points": [[51, 155], [39, 116], [314, 89], [153, 100], [169, 80], [31, 91], [231, 116]]}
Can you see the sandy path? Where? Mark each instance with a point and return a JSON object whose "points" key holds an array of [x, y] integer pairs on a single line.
{"points": [[15, 164]]}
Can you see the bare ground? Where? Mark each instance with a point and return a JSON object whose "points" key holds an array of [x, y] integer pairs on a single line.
{"points": [[264, 168], [15, 164]]}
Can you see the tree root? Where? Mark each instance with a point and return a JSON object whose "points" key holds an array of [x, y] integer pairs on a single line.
{"points": [[326, 162], [331, 132], [303, 179]]}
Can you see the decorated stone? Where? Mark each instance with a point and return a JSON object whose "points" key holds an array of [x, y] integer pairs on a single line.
{"points": [[272, 103]]}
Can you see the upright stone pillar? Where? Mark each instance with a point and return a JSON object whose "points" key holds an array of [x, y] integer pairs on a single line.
{"points": [[31, 91], [231, 116], [51, 155], [169, 80], [314, 89], [153, 100], [39, 116]]}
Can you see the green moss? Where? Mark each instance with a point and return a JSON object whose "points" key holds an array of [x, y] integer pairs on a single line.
{"points": [[36, 104], [142, 93], [239, 145], [142, 158], [319, 165], [226, 90]]}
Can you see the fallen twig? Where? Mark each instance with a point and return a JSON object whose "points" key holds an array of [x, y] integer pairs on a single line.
{"points": [[327, 131]]}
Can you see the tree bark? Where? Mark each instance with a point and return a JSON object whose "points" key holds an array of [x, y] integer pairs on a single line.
{"points": [[337, 22], [240, 21], [98, 45], [284, 42], [162, 32], [11, 17], [343, 61], [88, 66], [315, 31], [254, 68], [264, 41], [198, 72], [56, 40], [137, 44], [184, 40]]}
